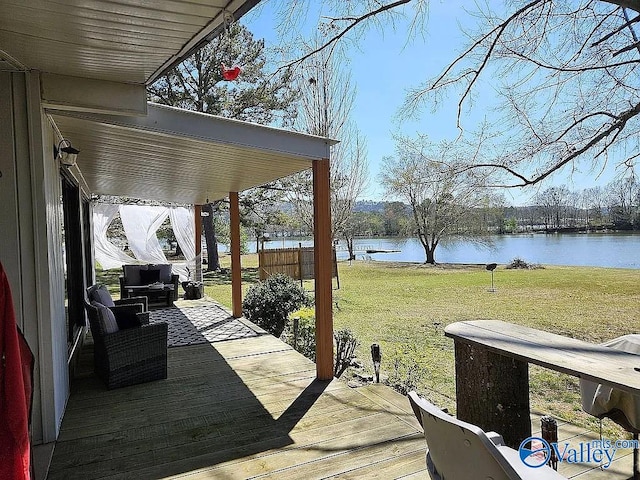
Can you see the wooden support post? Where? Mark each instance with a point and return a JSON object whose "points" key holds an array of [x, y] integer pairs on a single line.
{"points": [[492, 392], [236, 265], [323, 269], [300, 267], [198, 233]]}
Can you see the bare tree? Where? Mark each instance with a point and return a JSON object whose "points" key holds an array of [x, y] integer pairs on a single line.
{"points": [[445, 205], [326, 102], [623, 202], [553, 201], [593, 201], [569, 86]]}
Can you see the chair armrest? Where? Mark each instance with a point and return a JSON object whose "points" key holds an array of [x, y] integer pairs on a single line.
{"points": [[132, 308], [495, 438], [134, 300], [175, 279], [143, 317], [123, 291], [147, 341], [512, 457], [130, 315]]}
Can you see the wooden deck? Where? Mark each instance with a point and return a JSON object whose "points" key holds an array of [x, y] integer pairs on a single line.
{"points": [[250, 408]]}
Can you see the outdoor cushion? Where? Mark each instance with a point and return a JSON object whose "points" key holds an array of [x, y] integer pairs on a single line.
{"points": [[147, 277], [102, 295], [165, 272], [132, 274], [106, 318]]}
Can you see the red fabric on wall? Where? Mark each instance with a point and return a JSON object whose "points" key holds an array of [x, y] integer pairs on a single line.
{"points": [[15, 391]]}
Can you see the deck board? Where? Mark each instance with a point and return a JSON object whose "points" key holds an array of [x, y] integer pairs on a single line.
{"points": [[232, 409], [250, 408]]}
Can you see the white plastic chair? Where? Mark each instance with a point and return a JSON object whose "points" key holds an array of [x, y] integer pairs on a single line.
{"points": [[460, 451]]}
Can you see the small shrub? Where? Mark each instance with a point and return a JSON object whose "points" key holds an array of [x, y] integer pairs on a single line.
{"points": [[269, 303], [303, 339], [518, 263], [346, 343], [406, 373]]}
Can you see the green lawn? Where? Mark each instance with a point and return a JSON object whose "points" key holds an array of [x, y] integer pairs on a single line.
{"points": [[405, 307]]}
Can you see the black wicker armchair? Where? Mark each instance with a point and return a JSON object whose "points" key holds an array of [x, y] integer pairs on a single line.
{"points": [[127, 350]]}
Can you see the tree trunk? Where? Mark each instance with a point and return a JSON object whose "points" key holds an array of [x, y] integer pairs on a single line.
{"points": [[350, 247], [213, 260], [178, 250], [430, 253], [492, 392]]}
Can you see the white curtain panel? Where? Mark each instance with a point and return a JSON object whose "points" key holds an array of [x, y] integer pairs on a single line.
{"points": [[107, 254], [141, 222], [183, 224]]}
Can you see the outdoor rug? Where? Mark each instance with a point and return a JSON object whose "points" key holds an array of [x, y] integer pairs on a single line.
{"points": [[201, 324]]}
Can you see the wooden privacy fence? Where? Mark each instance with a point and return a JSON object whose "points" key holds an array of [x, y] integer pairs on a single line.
{"points": [[295, 262]]}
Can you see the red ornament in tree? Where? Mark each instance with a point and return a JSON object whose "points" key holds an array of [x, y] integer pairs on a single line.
{"points": [[230, 73]]}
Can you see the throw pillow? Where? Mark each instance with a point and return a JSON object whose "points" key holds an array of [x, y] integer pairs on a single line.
{"points": [[106, 318], [102, 295], [147, 277], [132, 274], [165, 272]]}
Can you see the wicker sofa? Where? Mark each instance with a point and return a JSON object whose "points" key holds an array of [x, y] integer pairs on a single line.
{"points": [[155, 281], [127, 349]]}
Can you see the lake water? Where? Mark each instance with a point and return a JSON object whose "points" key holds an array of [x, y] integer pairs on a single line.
{"points": [[618, 250]]}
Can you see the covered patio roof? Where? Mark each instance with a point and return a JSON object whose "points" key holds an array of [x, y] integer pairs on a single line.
{"points": [[95, 60], [175, 155], [127, 41]]}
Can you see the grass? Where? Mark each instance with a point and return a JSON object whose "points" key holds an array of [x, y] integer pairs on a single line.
{"points": [[405, 308]]}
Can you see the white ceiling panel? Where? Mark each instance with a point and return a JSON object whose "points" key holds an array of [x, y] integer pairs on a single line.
{"points": [[128, 41], [205, 158]]}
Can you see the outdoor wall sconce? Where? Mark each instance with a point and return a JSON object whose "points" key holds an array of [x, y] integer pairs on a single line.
{"points": [[66, 153]]}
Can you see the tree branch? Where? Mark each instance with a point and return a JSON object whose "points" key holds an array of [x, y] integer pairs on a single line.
{"points": [[616, 127], [355, 21], [475, 74]]}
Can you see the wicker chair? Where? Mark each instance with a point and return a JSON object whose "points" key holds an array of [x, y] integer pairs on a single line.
{"points": [[126, 356]]}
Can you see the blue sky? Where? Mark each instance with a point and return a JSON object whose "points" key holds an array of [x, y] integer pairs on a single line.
{"points": [[385, 64]]}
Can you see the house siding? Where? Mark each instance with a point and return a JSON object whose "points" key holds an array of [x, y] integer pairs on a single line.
{"points": [[30, 244]]}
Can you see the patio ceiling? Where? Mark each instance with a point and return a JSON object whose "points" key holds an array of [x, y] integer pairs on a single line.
{"points": [[129, 41], [97, 55], [175, 155]]}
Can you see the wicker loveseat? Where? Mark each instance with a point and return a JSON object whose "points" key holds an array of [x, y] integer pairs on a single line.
{"points": [[155, 281], [127, 350]]}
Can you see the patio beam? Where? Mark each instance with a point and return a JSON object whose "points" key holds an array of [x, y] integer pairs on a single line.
{"points": [[236, 264], [62, 92], [323, 266], [174, 122]]}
